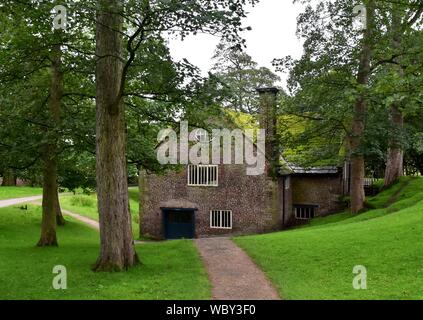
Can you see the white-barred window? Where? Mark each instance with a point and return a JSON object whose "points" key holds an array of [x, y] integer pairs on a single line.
{"points": [[203, 175], [221, 219]]}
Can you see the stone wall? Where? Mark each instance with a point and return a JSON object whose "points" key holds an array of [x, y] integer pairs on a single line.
{"points": [[322, 190]]}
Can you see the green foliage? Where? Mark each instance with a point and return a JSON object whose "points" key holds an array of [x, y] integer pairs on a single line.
{"points": [[323, 88], [241, 76], [414, 149], [242, 120], [157, 90], [82, 201], [25, 86]]}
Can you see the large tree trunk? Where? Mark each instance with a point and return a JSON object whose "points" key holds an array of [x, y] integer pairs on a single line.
{"points": [[357, 131], [117, 250], [50, 201], [395, 158], [48, 223], [9, 178], [357, 194], [395, 155]]}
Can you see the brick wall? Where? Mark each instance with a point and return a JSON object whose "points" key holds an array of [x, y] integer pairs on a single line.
{"points": [[324, 191], [254, 201]]}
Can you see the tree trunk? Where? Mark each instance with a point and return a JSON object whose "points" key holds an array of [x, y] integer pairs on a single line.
{"points": [[357, 131], [142, 189], [9, 178], [395, 155], [60, 220], [117, 250], [395, 158], [50, 201], [48, 223], [357, 194]]}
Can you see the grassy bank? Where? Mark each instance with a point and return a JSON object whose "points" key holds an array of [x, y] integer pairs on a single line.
{"points": [[316, 261], [19, 192]]}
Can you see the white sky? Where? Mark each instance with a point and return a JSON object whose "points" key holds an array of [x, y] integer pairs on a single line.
{"points": [[273, 36]]}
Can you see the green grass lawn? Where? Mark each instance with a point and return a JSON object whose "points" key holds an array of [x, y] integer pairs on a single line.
{"points": [[316, 261], [169, 270], [86, 205], [19, 192]]}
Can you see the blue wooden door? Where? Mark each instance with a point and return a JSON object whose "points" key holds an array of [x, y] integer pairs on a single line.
{"points": [[179, 224]]}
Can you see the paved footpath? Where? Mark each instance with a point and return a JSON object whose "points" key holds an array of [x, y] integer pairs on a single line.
{"points": [[234, 276], [89, 222], [12, 202]]}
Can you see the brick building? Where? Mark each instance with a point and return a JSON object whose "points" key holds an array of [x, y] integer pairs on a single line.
{"points": [[213, 200]]}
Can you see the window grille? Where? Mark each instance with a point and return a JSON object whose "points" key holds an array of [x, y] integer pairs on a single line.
{"points": [[221, 219], [203, 175], [304, 212]]}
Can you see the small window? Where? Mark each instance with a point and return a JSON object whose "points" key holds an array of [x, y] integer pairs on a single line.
{"points": [[304, 212], [221, 219], [203, 175]]}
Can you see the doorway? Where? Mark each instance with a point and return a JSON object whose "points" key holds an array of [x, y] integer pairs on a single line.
{"points": [[179, 223]]}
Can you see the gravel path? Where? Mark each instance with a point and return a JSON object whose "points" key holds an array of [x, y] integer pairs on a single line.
{"points": [[89, 222], [12, 202], [234, 276]]}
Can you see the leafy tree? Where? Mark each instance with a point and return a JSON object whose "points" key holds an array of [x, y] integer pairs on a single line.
{"points": [[341, 84], [39, 66], [241, 76], [122, 29], [404, 17]]}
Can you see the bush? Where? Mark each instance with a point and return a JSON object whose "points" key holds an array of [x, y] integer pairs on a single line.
{"points": [[83, 201]]}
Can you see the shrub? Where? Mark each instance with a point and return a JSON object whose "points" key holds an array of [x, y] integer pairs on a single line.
{"points": [[83, 201]]}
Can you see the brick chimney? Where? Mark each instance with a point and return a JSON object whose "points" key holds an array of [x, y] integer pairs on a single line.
{"points": [[268, 122]]}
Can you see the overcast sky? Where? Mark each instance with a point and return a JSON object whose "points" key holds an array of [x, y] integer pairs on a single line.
{"points": [[273, 25]]}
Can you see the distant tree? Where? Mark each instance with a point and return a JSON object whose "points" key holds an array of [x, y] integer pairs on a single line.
{"points": [[414, 147], [9, 177], [242, 76], [403, 34]]}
